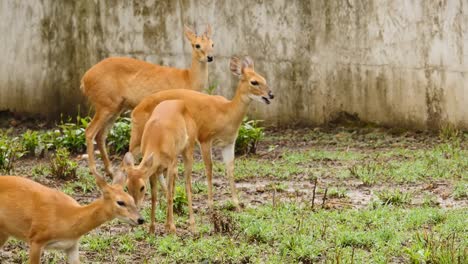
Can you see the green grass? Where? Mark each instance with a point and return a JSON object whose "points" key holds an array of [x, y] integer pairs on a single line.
{"points": [[290, 233], [396, 226]]}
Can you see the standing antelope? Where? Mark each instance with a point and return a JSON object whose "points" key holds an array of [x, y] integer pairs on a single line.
{"points": [[117, 84], [169, 131], [217, 119], [49, 219]]}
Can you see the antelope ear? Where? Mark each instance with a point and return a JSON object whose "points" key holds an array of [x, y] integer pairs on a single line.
{"points": [[189, 33], [119, 178], [235, 66], [148, 162], [208, 31], [101, 183], [128, 160], [247, 62]]}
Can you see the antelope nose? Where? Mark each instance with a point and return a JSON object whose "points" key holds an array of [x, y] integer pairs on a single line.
{"points": [[271, 95], [209, 58], [141, 221]]}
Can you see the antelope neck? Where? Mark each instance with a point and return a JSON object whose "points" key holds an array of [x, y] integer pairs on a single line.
{"points": [[198, 74]]}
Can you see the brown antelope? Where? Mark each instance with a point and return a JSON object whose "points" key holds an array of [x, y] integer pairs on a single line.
{"points": [[49, 219], [169, 132], [217, 119], [118, 84]]}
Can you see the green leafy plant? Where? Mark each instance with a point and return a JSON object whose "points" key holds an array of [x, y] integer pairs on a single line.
{"points": [[180, 200], [30, 140], [250, 133], [119, 136], [72, 134], [61, 166], [11, 150]]}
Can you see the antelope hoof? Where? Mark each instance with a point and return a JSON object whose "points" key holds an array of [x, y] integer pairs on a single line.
{"points": [[171, 228]]}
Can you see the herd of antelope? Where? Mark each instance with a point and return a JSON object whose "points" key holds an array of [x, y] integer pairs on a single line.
{"points": [[170, 114]]}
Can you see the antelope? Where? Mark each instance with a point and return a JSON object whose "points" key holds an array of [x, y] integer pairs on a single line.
{"points": [[217, 119], [170, 131], [117, 84], [49, 219]]}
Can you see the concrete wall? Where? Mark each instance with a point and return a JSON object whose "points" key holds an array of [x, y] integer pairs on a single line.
{"points": [[393, 62]]}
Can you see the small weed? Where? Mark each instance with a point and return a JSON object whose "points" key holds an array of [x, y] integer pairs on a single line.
{"points": [[199, 188], [11, 150], [250, 133], [180, 200], [30, 140], [430, 200], [460, 191], [336, 193], [84, 183], [61, 166], [394, 197], [449, 132], [278, 187], [367, 172], [40, 170], [212, 88]]}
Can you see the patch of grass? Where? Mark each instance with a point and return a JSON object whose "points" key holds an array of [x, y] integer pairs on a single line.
{"points": [[277, 186], [61, 166], [460, 191], [252, 167], [448, 132], [199, 187], [430, 200], [337, 193], [97, 243], [40, 171], [84, 183], [394, 197], [428, 247], [367, 172]]}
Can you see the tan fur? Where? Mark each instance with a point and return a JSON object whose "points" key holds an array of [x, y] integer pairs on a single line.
{"points": [[217, 119], [118, 84], [170, 131], [48, 218]]}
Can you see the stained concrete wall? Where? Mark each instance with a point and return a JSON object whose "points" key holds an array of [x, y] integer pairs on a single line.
{"points": [[393, 62]]}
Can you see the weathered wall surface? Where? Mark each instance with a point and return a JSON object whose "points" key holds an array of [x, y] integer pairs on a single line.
{"points": [[393, 62]]}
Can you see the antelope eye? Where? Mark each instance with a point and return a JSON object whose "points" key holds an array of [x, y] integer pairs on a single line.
{"points": [[212, 45], [142, 188], [197, 46], [254, 83], [121, 203]]}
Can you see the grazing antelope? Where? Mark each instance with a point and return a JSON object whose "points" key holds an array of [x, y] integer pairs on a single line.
{"points": [[217, 119], [169, 132], [118, 84], [49, 219]]}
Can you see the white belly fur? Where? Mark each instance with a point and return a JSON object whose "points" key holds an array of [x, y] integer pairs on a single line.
{"points": [[61, 244]]}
